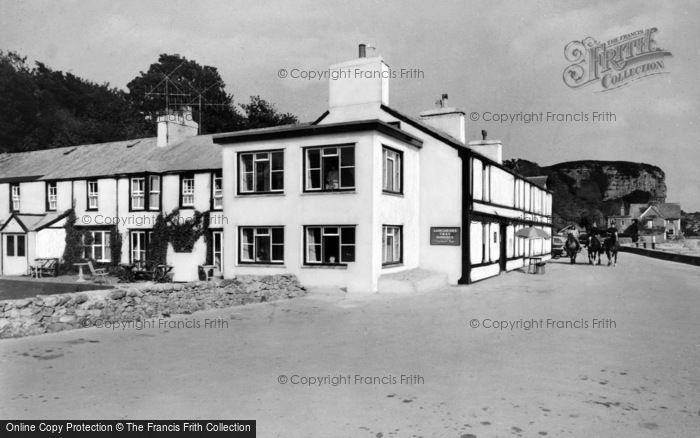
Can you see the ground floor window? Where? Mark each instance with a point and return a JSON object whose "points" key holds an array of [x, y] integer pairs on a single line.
{"points": [[392, 244], [329, 244], [96, 246], [217, 239], [15, 245], [485, 242], [261, 244], [139, 245]]}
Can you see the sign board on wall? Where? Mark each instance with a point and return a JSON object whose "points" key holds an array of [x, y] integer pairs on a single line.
{"points": [[445, 236]]}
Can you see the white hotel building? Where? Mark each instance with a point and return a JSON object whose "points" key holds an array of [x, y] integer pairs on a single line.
{"points": [[362, 192], [366, 191]]}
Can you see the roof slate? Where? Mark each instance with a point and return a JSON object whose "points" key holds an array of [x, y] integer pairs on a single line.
{"points": [[112, 158]]}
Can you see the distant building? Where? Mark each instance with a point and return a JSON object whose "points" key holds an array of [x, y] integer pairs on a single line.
{"points": [[659, 219]]}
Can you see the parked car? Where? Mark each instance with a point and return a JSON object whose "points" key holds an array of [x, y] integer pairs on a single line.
{"points": [[557, 246]]}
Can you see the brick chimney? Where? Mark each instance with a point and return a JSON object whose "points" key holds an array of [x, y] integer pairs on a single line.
{"points": [[492, 149], [447, 119], [358, 87], [175, 126]]}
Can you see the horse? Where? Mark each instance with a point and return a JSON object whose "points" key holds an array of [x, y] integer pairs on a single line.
{"points": [[572, 247], [611, 247], [595, 249]]}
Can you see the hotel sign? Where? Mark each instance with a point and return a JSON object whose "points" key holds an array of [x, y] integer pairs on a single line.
{"points": [[445, 236]]}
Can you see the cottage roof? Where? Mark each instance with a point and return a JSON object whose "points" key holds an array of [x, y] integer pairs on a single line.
{"points": [[112, 158], [35, 222]]}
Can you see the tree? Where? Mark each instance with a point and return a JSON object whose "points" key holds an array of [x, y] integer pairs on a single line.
{"points": [[174, 82], [44, 108], [259, 113]]}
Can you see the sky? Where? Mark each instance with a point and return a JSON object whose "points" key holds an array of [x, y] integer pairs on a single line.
{"points": [[490, 57]]}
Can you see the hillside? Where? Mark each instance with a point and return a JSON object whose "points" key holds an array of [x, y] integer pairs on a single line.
{"points": [[587, 191]]}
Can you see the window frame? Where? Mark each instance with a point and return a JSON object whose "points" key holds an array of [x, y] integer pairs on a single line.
{"points": [[146, 241], [150, 191], [51, 198], [395, 228], [15, 245], [341, 261], [306, 169], [255, 228], [186, 177], [240, 174], [132, 207], [105, 246], [214, 197], [146, 177], [18, 197], [88, 195], [220, 252], [399, 169]]}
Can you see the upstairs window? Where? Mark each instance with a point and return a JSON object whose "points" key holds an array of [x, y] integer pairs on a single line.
{"points": [[392, 170], [154, 192], [261, 172], [92, 195], [51, 196], [187, 191], [217, 195], [14, 197], [329, 168], [138, 190]]}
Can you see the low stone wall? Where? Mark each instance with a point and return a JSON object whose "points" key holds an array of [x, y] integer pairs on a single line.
{"points": [[663, 255], [52, 313]]}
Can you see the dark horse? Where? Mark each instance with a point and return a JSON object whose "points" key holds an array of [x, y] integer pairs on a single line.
{"points": [[572, 247], [595, 249], [611, 247]]}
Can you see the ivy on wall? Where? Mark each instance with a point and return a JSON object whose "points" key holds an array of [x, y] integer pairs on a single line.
{"points": [[73, 252], [115, 245], [181, 232]]}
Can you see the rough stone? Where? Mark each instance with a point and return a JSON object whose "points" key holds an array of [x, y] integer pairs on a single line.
{"points": [[50, 313], [117, 294]]}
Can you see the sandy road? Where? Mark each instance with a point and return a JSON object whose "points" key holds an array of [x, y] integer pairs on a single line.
{"points": [[637, 377]]}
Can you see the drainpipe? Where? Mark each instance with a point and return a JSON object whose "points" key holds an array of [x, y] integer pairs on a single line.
{"points": [[465, 156]]}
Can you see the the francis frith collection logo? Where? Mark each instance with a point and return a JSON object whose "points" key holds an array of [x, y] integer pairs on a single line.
{"points": [[616, 62]]}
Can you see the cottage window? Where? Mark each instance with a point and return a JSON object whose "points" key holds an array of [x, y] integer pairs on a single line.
{"points": [[15, 245], [261, 245], [154, 192], [139, 245], [261, 172], [187, 191], [391, 244], [329, 168], [51, 196], [137, 193], [99, 250], [92, 189], [392, 172], [330, 245], [217, 255], [14, 197], [217, 192]]}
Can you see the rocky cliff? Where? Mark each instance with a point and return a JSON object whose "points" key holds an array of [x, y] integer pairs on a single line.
{"points": [[587, 191]]}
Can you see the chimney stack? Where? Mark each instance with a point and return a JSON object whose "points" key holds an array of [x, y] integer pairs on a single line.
{"points": [[175, 126], [447, 119], [363, 50]]}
